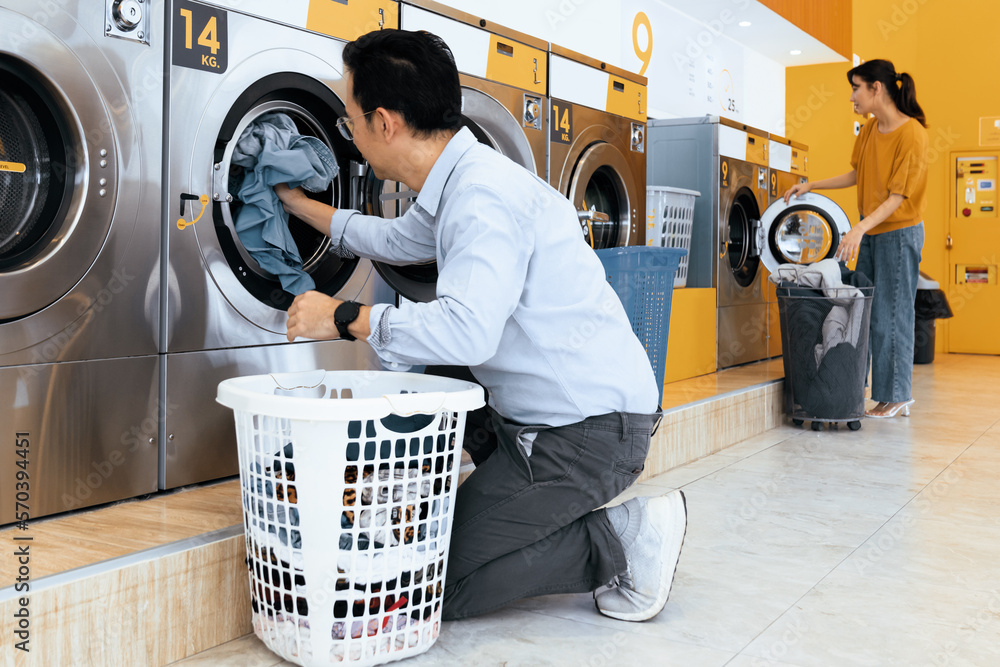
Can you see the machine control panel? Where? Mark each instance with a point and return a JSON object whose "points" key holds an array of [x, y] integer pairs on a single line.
{"points": [[127, 19], [976, 187]]}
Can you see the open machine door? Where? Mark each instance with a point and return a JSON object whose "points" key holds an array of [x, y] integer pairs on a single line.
{"points": [[806, 230]]}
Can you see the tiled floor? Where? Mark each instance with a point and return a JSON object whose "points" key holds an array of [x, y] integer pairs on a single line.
{"points": [[875, 547]]}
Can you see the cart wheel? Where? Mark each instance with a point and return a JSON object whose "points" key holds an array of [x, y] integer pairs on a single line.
{"points": [[797, 422], [854, 426], [817, 426]]}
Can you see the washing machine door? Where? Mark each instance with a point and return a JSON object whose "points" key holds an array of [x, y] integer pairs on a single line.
{"points": [[602, 196], [314, 108], [57, 191], [493, 125], [740, 236], [806, 230]]}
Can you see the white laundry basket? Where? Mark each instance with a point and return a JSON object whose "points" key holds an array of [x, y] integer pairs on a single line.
{"points": [[669, 220], [348, 481]]}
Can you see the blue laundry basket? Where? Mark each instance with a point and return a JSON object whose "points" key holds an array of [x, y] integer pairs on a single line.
{"points": [[643, 278]]}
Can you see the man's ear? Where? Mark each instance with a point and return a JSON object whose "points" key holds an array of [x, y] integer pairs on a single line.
{"points": [[388, 124]]}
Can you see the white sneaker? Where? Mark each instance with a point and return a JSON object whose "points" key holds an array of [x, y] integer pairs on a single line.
{"points": [[652, 558]]}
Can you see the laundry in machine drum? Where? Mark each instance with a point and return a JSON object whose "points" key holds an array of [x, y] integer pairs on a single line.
{"points": [[276, 256], [271, 152]]}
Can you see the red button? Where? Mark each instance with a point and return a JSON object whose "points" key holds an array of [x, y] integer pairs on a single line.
{"points": [[966, 212]]}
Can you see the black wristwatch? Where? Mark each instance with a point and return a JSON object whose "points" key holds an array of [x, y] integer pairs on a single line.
{"points": [[346, 313]]}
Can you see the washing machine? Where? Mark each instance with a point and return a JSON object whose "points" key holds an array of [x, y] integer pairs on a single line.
{"points": [[788, 163], [597, 147], [223, 314], [80, 127], [503, 77], [727, 162]]}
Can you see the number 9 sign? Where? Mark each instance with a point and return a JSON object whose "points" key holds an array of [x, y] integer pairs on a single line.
{"points": [[645, 55]]}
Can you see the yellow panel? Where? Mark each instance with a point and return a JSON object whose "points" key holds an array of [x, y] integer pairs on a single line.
{"points": [[757, 149], [989, 131], [353, 19], [800, 162], [691, 341], [626, 98], [517, 65], [976, 187]]}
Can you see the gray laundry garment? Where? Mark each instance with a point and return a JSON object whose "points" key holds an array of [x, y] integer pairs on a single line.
{"points": [[843, 323], [272, 151]]}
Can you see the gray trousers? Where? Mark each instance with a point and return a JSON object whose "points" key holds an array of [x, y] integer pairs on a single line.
{"points": [[525, 525]]}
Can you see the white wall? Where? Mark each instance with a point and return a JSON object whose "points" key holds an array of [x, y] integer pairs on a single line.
{"points": [[695, 68]]}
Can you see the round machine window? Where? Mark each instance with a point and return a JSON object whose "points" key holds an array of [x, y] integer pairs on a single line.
{"points": [[743, 223], [34, 165], [802, 237], [600, 216]]}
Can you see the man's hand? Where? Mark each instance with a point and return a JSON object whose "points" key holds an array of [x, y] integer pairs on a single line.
{"points": [[290, 199], [311, 316]]}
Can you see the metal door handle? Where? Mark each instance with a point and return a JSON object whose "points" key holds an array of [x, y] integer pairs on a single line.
{"points": [[948, 242]]}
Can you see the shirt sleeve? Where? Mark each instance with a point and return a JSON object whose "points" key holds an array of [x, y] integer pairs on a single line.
{"points": [[403, 240], [480, 283], [909, 165]]}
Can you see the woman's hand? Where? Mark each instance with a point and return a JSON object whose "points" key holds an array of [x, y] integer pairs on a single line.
{"points": [[850, 243], [796, 190]]}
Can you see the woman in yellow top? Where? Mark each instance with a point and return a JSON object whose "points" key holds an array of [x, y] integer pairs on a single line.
{"points": [[890, 169]]}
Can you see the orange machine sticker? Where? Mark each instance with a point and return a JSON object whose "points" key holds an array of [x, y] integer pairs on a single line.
{"points": [[626, 98], [349, 19]]}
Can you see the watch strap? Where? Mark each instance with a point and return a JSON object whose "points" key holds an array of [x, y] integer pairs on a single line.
{"points": [[346, 313]]}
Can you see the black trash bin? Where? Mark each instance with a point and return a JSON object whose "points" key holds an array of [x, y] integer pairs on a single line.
{"points": [[931, 305]]}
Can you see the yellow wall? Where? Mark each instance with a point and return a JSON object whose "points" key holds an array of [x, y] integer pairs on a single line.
{"points": [[949, 49]]}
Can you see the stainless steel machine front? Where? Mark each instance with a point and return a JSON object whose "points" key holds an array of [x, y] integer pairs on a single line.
{"points": [[80, 158], [223, 314]]}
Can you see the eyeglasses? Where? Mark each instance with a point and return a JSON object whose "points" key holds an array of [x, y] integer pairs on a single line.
{"points": [[346, 125]]}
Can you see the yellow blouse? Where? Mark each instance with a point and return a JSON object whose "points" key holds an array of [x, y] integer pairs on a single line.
{"points": [[892, 163]]}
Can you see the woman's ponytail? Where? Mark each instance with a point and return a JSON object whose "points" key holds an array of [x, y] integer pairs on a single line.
{"points": [[906, 98]]}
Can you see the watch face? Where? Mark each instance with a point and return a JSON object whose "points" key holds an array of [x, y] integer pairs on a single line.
{"points": [[346, 312]]}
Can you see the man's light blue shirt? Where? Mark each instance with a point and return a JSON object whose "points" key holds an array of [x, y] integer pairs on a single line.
{"points": [[521, 298]]}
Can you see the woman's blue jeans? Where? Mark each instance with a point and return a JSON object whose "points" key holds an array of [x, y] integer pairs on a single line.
{"points": [[892, 262]]}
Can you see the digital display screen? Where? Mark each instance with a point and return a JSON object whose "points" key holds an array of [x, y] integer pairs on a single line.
{"points": [[985, 184]]}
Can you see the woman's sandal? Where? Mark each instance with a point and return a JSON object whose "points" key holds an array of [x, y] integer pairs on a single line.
{"points": [[904, 407]]}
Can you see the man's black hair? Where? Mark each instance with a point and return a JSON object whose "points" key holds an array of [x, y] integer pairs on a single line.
{"points": [[413, 73]]}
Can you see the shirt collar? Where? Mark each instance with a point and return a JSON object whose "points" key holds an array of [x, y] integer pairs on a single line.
{"points": [[430, 195]]}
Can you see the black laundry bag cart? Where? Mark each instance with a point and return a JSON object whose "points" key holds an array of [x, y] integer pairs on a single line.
{"points": [[824, 384]]}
